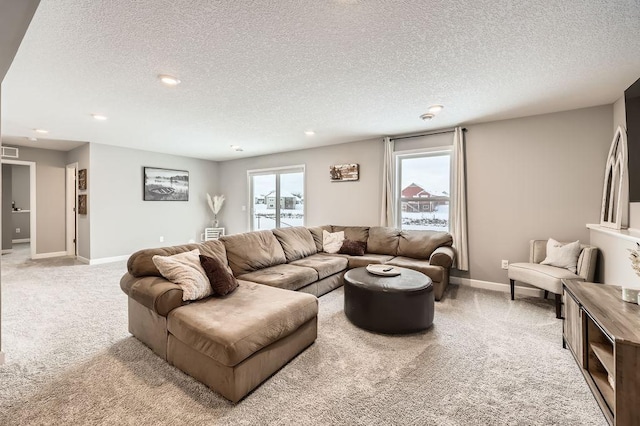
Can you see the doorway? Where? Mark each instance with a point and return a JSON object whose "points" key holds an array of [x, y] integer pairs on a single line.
{"points": [[17, 211], [72, 209]]}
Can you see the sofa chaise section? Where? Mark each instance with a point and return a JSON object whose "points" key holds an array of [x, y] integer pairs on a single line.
{"points": [[229, 343]]}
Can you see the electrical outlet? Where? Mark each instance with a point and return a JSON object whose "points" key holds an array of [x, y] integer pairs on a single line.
{"points": [[162, 239], [17, 230], [505, 264], [244, 208]]}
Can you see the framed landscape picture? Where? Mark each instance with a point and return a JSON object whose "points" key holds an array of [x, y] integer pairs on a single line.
{"points": [[344, 172], [165, 184]]}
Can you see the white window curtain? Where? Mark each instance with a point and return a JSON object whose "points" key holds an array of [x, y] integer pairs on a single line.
{"points": [[458, 226], [388, 210]]}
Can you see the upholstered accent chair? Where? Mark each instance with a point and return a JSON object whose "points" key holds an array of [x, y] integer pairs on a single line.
{"points": [[549, 278]]}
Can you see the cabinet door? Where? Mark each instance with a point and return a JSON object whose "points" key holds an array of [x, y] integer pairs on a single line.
{"points": [[572, 326]]}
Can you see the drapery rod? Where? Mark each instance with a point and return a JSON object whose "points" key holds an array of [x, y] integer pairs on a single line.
{"points": [[464, 129]]}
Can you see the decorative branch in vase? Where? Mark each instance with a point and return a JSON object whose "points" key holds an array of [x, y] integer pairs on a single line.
{"points": [[215, 204]]}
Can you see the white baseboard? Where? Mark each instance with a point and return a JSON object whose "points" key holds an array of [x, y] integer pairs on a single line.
{"points": [[102, 259], [2, 358], [108, 259], [48, 255], [21, 240], [7, 251], [490, 285]]}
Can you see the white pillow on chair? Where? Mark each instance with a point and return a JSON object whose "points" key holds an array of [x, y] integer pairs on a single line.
{"points": [[562, 255]]}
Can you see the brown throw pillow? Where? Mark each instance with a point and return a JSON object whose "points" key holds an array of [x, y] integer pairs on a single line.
{"points": [[222, 282], [354, 248]]}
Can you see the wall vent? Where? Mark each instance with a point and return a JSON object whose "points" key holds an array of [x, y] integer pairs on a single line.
{"points": [[9, 152]]}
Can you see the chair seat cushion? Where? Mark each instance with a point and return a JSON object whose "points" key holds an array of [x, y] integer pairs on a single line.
{"points": [[232, 328], [543, 276], [325, 265], [434, 272], [289, 277]]}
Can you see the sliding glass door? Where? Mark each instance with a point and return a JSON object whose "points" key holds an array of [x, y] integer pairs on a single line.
{"points": [[277, 198]]}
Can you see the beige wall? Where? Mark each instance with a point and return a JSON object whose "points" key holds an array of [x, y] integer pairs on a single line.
{"points": [[533, 178], [337, 203], [50, 196], [122, 223]]}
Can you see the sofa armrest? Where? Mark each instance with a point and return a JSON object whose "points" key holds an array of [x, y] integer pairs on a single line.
{"points": [[155, 293], [587, 263], [443, 256]]}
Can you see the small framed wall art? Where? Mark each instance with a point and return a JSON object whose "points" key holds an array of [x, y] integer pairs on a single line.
{"points": [[344, 172], [82, 179], [82, 204], [165, 184]]}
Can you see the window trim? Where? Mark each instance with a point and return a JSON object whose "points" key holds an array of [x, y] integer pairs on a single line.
{"points": [[297, 168], [398, 156]]}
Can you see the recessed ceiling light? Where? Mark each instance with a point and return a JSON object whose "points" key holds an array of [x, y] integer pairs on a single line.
{"points": [[426, 117], [99, 117], [236, 148], [309, 132], [41, 131], [31, 138], [169, 80], [434, 109]]}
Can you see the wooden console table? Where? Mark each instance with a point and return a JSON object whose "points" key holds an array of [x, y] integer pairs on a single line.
{"points": [[603, 333]]}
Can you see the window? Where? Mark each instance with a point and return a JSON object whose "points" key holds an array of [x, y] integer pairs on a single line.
{"points": [[423, 188], [277, 198]]}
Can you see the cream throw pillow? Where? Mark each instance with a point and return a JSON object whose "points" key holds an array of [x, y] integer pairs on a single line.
{"points": [[331, 242], [562, 255], [185, 270]]}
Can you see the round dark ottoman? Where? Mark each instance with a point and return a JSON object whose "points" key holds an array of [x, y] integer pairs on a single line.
{"points": [[392, 305]]}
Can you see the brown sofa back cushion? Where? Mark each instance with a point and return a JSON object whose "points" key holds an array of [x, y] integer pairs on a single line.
{"points": [[296, 242], [251, 251], [354, 233], [383, 240], [316, 233], [420, 244], [140, 263]]}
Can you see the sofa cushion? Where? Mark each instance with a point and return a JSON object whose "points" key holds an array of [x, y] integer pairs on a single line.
{"points": [[383, 240], [231, 329], [185, 270], [252, 251], [289, 277], [356, 233], [361, 261], [155, 293], [316, 233], [296, 242], [436, 273], [324, 265], [332, 241], [353, 248], [222, 281], [140, 263], [420, 244]]}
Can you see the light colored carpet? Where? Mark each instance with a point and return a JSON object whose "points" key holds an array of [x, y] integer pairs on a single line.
{"points": [[487, 360]]}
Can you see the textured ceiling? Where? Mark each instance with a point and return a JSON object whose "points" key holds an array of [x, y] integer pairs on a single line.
{"points": [[259, 73]]}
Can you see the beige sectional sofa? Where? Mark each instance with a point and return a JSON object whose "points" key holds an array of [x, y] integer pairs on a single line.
{"points": [[233, 343]]}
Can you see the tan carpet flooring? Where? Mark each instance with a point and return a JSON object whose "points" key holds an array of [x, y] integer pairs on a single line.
{"points": [[486, 361]]}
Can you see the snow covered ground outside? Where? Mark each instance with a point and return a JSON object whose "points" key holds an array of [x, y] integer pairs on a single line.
{"points": [[264, 218], [426, 221]]}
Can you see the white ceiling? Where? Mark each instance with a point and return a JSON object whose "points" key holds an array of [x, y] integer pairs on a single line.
{"points": [[259, 73]]}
